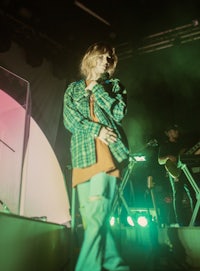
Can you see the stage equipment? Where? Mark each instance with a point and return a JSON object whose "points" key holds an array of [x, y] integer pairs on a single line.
{"points": [[196, 189], [150, 185], [28, 244], [140, 158], [192, 160], [119, 198], [32, 182], [171, 37], [4, 207], [142, 217]]}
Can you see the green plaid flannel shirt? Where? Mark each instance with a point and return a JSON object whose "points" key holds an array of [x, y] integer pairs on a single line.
{"points": [[110, 108]]}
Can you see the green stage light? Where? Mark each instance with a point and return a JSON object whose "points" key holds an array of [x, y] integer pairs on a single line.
{"points": [[130, 221], [139, 217], [112, 221], [142, 220], [140, 158]]}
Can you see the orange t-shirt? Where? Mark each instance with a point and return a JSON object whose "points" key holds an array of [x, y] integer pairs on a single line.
{"points": [[105, 162]]}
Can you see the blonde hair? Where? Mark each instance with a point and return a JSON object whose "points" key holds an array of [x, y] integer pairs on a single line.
{"points": [[88, 61]]}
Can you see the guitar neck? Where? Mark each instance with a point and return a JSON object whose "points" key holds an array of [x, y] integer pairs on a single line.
{"points": [[193, 149]]}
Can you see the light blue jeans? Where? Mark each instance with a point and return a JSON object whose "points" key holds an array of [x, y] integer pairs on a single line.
{"points": [[98, 249]]}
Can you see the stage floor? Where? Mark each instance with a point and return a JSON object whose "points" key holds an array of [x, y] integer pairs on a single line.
{"points": [[159, 249], [155, 249], [28, 244]]}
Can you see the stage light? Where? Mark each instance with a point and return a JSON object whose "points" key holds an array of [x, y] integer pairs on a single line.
{"points": [[140, 158], [140, 217], [112, 221], [130, 221], [142, 220], [134, 218]]}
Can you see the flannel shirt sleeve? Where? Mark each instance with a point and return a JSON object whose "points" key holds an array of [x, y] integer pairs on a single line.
{"points": [[74, 120], [114, 102]]}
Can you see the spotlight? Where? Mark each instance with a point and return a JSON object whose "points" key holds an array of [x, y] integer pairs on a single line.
{"points": [[141, 217], [112, 221], [140, 158], [130, 221], [142, 221]]}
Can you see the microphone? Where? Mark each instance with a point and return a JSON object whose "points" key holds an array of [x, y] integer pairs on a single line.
{"points": [[103, 78]]}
